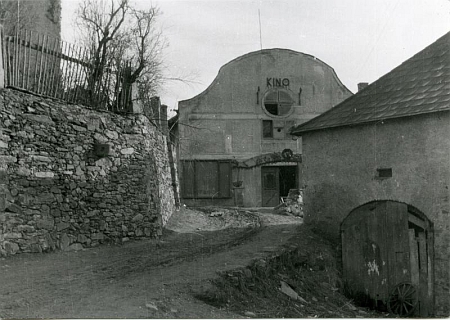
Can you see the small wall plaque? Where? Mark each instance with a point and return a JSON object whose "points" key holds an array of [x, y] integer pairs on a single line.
{"points": [[101, 149]]}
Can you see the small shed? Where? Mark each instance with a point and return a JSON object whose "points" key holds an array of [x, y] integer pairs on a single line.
{"points": [[376, 175]]}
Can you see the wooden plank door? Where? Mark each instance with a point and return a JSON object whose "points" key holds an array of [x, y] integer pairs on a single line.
{"points": [[354, 271], [397, 243], [270, 186], [364, 253], [421, 265], [375, 253], [384, 245]]}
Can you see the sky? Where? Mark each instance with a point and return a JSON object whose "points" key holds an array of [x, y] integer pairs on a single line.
{"points": [[361, 39]]}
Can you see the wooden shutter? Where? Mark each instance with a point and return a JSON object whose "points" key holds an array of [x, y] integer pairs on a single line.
{"points": [[224, 179], [188, 189], [207, 179], [267, 129]]}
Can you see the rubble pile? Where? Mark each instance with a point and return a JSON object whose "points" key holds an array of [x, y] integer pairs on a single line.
{"points": [[293, 205]]}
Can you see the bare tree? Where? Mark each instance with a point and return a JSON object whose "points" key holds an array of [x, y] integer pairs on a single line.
{"points": [[123, 38]]}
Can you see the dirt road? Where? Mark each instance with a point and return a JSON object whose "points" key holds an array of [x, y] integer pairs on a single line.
{"points": [[142, 279]]}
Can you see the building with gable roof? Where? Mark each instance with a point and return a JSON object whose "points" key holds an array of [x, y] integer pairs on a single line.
{"points": [[376, 173], [234, 144]]}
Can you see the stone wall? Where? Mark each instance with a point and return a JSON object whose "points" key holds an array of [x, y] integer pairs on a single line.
{"points": [[340, 174], [60, 186]]}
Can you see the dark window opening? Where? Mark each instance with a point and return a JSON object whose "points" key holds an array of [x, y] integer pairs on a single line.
{"points": [[267, 129], [384, 172], [269, 181], [206, 179], [272, 108], [278, 102]]}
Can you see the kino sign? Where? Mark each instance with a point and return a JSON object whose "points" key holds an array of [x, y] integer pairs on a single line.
{"points": [[277, 82]]}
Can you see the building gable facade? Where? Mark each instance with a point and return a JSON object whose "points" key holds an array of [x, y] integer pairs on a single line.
{"points": [[234, 142]]}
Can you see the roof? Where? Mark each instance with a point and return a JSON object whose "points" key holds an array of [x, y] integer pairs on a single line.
{"points": [[173, 122], [263, 52], [419, 85]]}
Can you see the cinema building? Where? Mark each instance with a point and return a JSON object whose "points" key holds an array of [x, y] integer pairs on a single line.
{"points": [[234, 146]]}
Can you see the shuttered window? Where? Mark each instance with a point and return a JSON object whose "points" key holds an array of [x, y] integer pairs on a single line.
{"points": [[206, 179], [267, 129], [188, 179]]}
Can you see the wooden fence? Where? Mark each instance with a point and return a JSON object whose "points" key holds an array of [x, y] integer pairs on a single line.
{"points": [[51, 67]]}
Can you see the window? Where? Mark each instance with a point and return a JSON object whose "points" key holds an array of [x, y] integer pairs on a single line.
{"points": [[267, 129], [276, 129], [384, 172], [278, 102], [270, 181], [206, 179]]}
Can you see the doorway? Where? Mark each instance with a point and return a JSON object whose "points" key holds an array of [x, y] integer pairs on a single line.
{"points": [[387, 255], [276, 181]]}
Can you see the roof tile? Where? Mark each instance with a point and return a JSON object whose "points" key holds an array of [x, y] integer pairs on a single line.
{"points": [[419, 85]]}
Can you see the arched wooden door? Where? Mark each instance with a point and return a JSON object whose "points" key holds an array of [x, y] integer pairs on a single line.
{"points": [[387, 254]]}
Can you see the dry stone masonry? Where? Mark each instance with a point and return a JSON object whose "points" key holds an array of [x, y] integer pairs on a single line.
{"points": [[72, 177]]}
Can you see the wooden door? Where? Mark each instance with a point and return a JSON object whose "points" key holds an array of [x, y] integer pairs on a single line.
{"points": [[364, 256], [420, 247], [270, 186], [397, 242], [385, 244]]}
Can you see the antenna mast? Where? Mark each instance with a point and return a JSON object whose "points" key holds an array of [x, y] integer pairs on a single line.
{"points": [[260, 34]]}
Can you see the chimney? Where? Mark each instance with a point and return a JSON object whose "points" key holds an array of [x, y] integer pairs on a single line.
{"points": [[362, 85]]}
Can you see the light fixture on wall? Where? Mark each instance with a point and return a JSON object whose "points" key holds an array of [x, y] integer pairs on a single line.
{"points": [[257, 95], [287, 154], [300, 96]]}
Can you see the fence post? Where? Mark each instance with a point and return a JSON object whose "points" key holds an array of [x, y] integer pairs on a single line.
{"points": [[2, 69], [155, 105], [135, 101]]}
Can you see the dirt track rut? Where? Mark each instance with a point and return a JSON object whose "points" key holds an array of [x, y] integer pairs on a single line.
{"points": [[143, 279]]}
